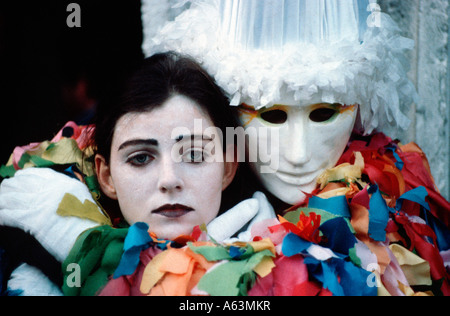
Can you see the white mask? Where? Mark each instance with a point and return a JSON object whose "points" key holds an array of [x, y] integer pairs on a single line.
{"points": [[308, 140]]}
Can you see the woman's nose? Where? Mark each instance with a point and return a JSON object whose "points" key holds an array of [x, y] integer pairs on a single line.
{"points": [[297, 151], [169, 180]]}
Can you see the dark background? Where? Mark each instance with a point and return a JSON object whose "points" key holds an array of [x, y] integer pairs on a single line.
{"points": [[51, 73]]}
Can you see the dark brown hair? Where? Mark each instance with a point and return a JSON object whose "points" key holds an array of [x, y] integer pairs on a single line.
{"points": [[160, 77]]}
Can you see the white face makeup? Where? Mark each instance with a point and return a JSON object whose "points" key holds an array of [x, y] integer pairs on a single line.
{"points": [[172, 197], [311, 139]]}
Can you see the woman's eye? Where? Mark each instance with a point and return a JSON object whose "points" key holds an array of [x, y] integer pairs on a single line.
{"points": [[140, 160], [322, 115], [194, 156], [274, 116]]}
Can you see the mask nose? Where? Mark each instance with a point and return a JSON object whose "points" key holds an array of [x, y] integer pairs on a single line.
{"points": [[297, 152], [169, 180]]}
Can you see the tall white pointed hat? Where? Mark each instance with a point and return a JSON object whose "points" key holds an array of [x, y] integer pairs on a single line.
{"points": [[259, 51]]}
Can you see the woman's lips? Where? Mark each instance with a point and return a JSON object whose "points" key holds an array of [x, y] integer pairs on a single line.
{"points": [[173, 210]]}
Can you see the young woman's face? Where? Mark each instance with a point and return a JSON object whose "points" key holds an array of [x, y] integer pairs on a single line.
{"points": [[159, 169]]}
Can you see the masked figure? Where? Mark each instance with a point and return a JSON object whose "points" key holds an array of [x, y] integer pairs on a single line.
{"points": [[315, 82]]}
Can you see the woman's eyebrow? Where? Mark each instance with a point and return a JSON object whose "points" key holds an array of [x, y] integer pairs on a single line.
{"points": [[136, 142], [192, 137]]}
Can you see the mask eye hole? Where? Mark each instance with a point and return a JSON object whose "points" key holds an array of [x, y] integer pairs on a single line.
{"points": [[274, 116], [322, 115]]}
